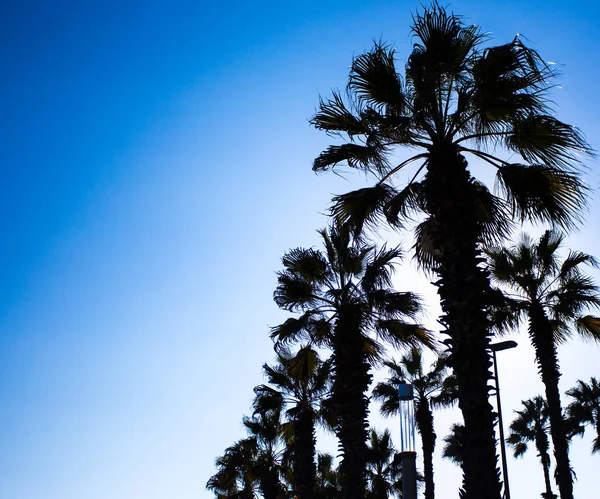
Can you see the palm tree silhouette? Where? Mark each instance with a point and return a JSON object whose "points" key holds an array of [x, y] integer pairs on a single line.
{"points": [[384, 468], [297, 384], [345, 295], [532, 426], [585, 408], [432, 388], [456, 98], [553, 296]]}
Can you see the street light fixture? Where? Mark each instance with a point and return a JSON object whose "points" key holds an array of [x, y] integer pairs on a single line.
{"points": [[497, 347], [408, 449]]}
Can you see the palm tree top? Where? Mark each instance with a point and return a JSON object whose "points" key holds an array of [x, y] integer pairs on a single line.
{"points": [[349, 272], [456, 92], [533, 273]]}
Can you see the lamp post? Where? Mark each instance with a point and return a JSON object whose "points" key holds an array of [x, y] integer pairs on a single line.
{"points": [[497, 347], [407, 442]]}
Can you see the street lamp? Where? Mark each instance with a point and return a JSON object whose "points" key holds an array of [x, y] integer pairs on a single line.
{"points": [[497, 347], [408, 450]]}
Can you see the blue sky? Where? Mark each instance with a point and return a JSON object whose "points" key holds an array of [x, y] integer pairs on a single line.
{"points": [[156, 165]]}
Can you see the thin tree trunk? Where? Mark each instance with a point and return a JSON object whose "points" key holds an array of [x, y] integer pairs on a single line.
{"points": [[350, 383], [463, 287], [542, 444], [305, 469], [541, 334], [424, 420]]}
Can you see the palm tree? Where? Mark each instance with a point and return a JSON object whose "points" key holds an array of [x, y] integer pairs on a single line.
{"points": [[235, 478], [345, 295], [254, 463], [553, 296], [456, 98], [327, 482], [384, 468], [432, 388], [585, 409], [298, 384], [532, 426]]}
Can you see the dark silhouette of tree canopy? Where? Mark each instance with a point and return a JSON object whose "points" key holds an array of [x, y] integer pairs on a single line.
{"points": [[531, 426], [297, 385], [384, 468], [585, 408], [327, 482], [256, 463], [554, 297], [432, 388], [453, 449], [456, 97], [344, 294]]}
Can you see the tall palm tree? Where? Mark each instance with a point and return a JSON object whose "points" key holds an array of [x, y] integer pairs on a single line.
{"points": [[532, 426], [384, 468], [348, 305], [297, 384], [456, 98], [585, 408], [432, 388], [553, 296]]}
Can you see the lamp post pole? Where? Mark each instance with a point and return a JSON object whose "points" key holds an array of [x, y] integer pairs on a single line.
{"points": [[496, 347], [407, 442]]}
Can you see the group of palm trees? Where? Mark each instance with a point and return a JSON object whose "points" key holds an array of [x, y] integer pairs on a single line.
{"points": [[458, 97]]}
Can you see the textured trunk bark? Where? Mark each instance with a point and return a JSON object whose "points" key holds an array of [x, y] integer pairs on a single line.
{"points": [[540, 332], [463, 287], [350, 404], [305, 469], [424, 421]]}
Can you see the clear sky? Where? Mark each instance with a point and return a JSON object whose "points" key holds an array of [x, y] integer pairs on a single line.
{"points": [[155, 166]]}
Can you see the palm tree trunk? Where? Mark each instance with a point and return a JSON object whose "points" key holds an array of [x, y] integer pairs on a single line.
{"points": [[304, 446], [424, 421], [350, 383], [541, 334], [542, 444], [463, 288]]}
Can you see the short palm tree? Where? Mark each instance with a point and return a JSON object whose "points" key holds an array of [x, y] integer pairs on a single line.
{"points": [[456, 98], [348, 305], [432, 388], [384, 468], [553, 296], [235, 477], [327, 483], [585, 408], [532, 425], [256, 463], [297, 385]]}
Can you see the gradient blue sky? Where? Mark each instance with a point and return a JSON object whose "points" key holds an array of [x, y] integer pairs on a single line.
{"points": [[155, 166]]}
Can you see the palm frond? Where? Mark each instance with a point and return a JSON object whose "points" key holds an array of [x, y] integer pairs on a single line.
{"points": [[362, 207], [545, 194], [375, 81], [367, 158], [334, 116]]}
